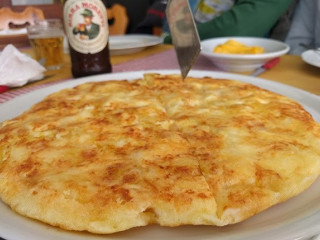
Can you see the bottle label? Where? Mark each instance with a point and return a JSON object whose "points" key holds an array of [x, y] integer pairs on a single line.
{"points": [[86, 25]]}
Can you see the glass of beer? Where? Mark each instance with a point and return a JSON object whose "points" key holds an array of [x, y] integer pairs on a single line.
{"points": [[46, 39]]}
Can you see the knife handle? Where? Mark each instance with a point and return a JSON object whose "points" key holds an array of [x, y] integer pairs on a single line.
{"points": [[271, 63], [3, 88]]}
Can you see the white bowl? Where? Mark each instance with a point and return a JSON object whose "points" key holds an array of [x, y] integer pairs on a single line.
{"points": [[243, 62]]}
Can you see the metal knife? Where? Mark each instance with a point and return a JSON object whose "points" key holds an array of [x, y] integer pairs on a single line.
{"points": [[184, 34]]}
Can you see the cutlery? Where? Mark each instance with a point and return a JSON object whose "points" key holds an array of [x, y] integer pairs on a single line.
{"points": [[184, 34], [268, 65], [3, 88]]}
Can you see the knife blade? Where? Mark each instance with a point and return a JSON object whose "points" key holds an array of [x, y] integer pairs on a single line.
{"points": [[184, 34], [268, 65]]}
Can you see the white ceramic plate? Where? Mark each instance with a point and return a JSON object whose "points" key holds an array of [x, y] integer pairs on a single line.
{"points": [[311, 57], [297, 218], [131, 43]]}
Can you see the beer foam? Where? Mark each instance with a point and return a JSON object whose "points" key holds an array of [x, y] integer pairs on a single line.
{"points": [[52, 33]]}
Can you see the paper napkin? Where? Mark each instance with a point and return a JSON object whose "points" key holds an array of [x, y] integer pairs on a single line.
{"points": [[17, 69]]}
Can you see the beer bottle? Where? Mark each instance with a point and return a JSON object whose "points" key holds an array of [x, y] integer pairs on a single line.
{"points": [[86, 27]]}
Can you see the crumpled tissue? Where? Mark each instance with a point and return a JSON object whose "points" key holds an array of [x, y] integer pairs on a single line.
{"points": [[17, 69]]}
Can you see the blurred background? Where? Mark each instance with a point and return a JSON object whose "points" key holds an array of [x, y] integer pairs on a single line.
{"points": [[124, 16]]}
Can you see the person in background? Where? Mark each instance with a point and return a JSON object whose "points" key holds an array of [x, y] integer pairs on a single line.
{"points": [[136, 11], [219, 18], [153, 19], [305, 29]]}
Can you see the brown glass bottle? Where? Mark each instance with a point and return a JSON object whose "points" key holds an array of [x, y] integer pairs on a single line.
{"points": [[87, 32], [90, 64]]}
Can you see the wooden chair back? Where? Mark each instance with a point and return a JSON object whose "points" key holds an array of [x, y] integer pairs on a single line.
{"points": [[27, 16], [118, 19]]}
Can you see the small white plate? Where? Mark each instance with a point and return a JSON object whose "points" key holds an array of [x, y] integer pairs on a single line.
{"points": [[131, 43], [13, 32], [311, 57]]}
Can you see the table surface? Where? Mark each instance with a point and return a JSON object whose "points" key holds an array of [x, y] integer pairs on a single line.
{"points": [[65, 71], [290, 70]]}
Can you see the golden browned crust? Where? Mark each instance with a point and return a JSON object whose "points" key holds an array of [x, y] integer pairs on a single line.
{"points": [[108, 156]]}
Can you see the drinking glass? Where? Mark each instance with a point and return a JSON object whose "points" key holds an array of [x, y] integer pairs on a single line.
{"points": [[46, 39]]}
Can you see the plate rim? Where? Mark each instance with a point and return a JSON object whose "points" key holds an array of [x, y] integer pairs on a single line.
{"points": [[132, 75], [305, 57], [151, 41], [293, 92]]}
